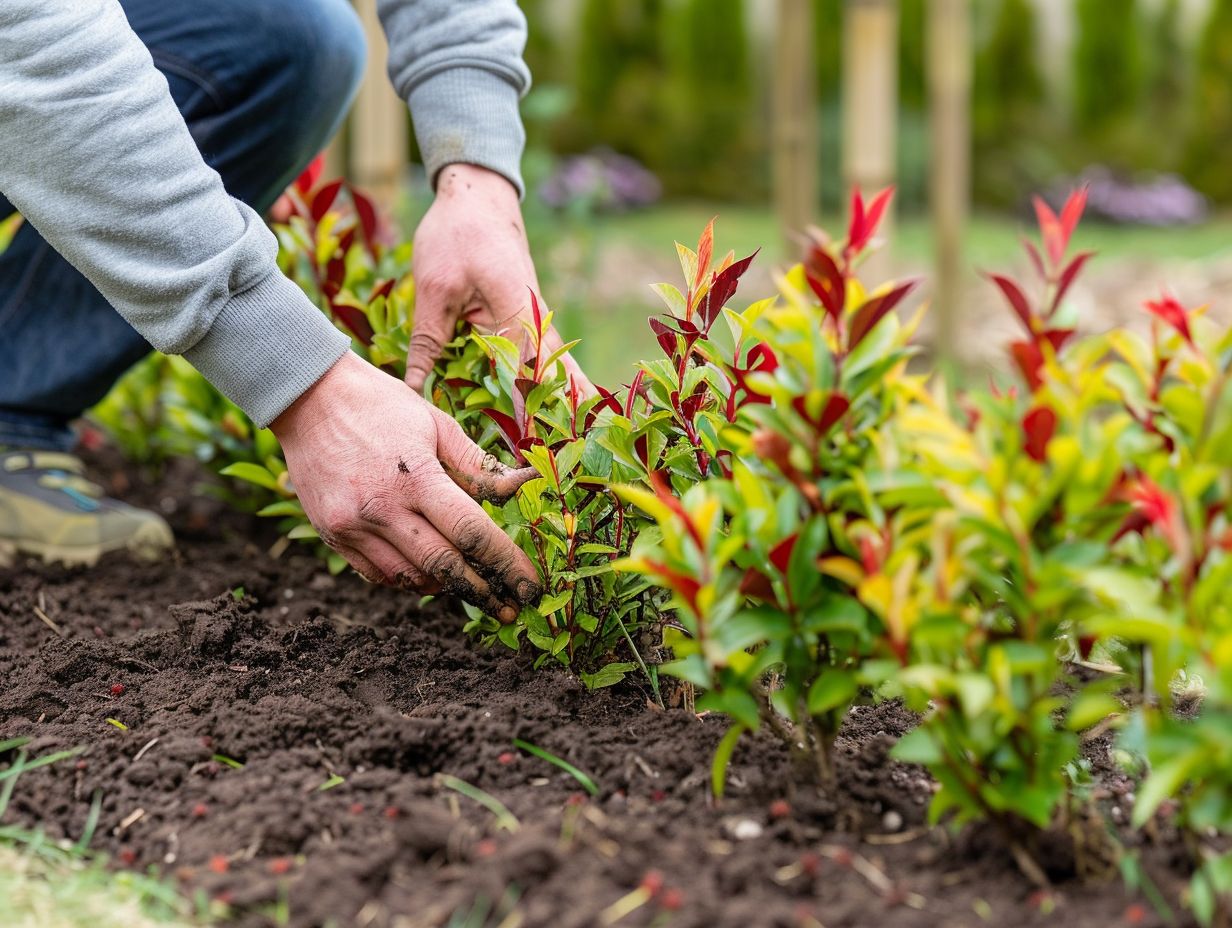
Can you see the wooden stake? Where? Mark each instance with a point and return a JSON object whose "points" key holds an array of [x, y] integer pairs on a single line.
{"points": [[379, 126], [870, 106], [797, 158], [949, 90]]}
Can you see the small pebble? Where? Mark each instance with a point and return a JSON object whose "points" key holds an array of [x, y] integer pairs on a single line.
{"points": [[744, 829], [891, 821]]}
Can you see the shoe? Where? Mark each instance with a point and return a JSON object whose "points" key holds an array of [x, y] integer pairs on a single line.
{"points": [[49, 509]]}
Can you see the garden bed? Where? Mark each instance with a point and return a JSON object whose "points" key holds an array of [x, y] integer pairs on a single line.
{"points": [[306, 678]]}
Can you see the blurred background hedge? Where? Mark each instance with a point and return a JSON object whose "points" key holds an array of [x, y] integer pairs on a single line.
{"points": [[683, 86]]}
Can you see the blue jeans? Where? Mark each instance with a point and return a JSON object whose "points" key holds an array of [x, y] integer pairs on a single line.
{"points": [[263, 85]]}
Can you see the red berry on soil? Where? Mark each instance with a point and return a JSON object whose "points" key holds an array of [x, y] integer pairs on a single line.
{"points": [[810, 863], [671, 899], [357, 808], [576, 799], [279, 866], [391, 812], [117, 689], [128, 856], [200, 810], [842, 857], [658, 795], [1135, 914], [485, 848], [219, 864], [82, 765], [652, 882], [780, 808], [508, 757]]}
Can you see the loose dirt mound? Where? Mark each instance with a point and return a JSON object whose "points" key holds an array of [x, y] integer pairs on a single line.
{"points": [[307, 678]]}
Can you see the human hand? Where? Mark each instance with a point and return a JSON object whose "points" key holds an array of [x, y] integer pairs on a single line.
{"points": [[472, 261], [390, 482]]}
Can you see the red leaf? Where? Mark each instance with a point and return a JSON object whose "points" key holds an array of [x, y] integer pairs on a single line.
{"points": [[1160, 509], [762, 358], [1072, 212], [667, 338], [826, 280], [1038, 426], [864, 222], [876, 309], [1050, 231], [347, 240], [663, 490], [685, 586], [325, 199], [383, 288], [723, 288], [705, 254], [310, 175], [1030, 361], [1016, 298], [780, 554], [1067, 277], [870, 556], [756, 585], [368, 220], [508, 426], [1173, 313], [836, 407], [535, 310], [354, 320], [1058, 337]]}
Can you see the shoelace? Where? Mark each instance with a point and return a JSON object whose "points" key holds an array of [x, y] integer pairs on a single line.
{"points": [[61, 472]]}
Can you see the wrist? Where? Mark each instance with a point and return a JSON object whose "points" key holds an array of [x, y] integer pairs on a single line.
{"points": [[313, 404], [462, 180]]}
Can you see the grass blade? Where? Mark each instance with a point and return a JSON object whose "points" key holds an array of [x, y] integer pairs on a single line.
{"points": [[504, 818], [587, 783], [22, 765], [722, 757]]}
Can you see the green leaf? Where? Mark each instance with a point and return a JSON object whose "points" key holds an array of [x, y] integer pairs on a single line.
{"points": [[1090, 707], [508, 635], [722, 757], [252, 473], [1164, 781], [832, 689], [607, 675], [301, 532], [588, 784], [917, 747], [286, 507], [555, 602]]}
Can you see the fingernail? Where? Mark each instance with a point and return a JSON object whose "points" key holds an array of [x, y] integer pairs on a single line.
{"points": [[507, 614], [528, 591]]}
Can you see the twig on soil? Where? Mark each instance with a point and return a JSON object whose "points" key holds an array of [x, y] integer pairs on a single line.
{"points": [[43, 617], [900, 837], [140, 663], [128, 822], [873, 874], [140, 754]]}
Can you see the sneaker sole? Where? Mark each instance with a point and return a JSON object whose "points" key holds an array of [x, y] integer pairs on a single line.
{"points": [[149, 544]]}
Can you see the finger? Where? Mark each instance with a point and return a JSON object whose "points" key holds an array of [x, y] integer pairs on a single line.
{"points": [[361, 565], [394, 567], [423, 545], [433, 329], [585, 389], [481, 475], [486, 548]]}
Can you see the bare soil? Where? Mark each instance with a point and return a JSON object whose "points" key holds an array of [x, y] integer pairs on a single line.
{"points": [[307, 678]]}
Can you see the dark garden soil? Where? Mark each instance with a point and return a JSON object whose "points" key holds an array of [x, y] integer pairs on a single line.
{"points": [[309, 677]]}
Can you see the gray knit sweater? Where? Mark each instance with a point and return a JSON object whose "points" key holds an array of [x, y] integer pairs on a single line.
{"points": [[95, 155]]}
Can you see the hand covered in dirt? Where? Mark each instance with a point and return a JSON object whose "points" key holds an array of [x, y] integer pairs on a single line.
{"points": [[472, 261], [391, 484]]}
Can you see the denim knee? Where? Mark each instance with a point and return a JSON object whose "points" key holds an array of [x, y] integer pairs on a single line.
{"points": [[324, 53]]}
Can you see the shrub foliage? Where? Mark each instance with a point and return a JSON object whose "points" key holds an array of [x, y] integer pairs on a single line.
{"points": [[800, 519]]}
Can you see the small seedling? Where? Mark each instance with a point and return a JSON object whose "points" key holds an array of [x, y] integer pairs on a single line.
{"points": [[118, 724], [587, 783], [227, 761], [504, 818], [334, 780]]}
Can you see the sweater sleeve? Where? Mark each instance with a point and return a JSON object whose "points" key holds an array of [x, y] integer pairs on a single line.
{"points": [[95, 155], [458, 64]]}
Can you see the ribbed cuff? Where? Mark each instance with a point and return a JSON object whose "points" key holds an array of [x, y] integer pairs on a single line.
{"points": [[469, 116], [266, 347]]}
